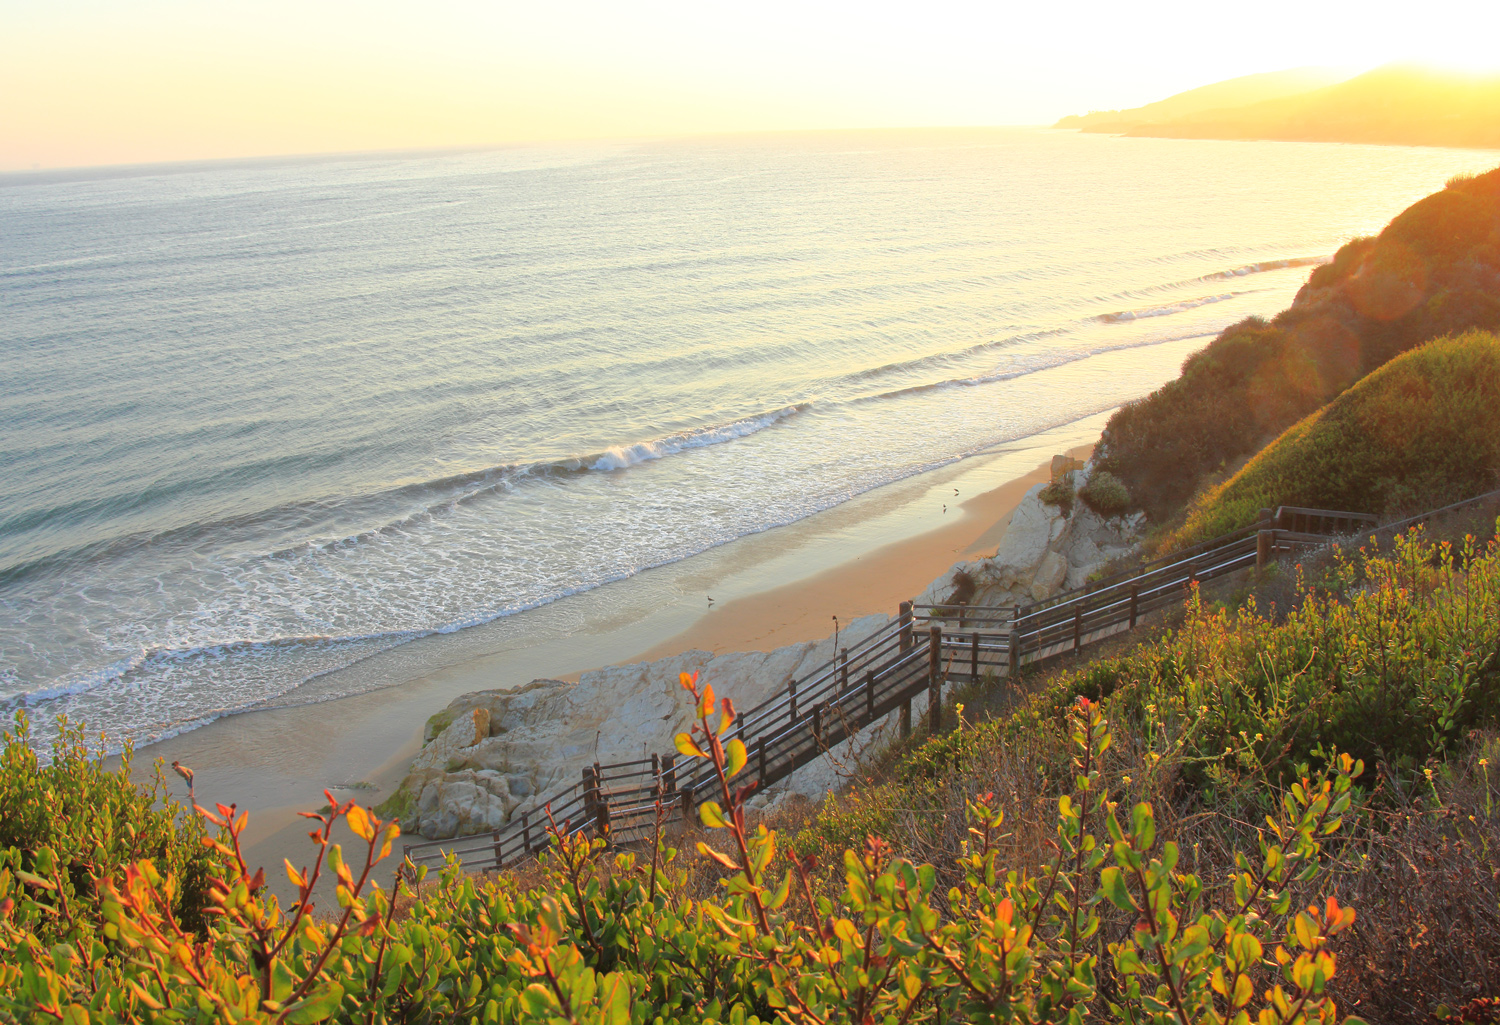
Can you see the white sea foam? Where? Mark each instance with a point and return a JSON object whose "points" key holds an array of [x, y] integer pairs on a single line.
{"points": [[1166, 309], [622, 456]]}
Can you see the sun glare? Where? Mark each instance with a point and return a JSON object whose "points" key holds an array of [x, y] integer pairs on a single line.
{"points": [[89, 83]]}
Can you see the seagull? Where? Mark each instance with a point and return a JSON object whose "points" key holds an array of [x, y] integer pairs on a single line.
{"points": [[945, 507], [955, 491], [710, 599]]}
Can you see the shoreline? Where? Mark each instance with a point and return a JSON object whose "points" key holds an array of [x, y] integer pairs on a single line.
{"points": [[775, 588], [877, 581]]}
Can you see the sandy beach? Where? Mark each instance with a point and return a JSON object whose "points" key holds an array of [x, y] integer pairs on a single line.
{"points": [[775, 588]]}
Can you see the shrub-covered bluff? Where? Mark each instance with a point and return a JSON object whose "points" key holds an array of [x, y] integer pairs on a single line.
{"points": [[1091, 857], [1420, 432], [1434, 270]]}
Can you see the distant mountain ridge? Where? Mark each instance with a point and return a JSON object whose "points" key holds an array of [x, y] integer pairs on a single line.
{"points": [[1235, 92], [1398, 105]]}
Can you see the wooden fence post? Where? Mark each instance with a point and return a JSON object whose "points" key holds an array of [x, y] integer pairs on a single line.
{"points": [[687, 804], [818, 723], [601, 806], [904, 726], [495, 836], [526, 831], [760, 755], [656, 777], [843, 670], [1014, 643], [1135, 597], [870, 696], [791, 696], [591, 798], [935, 681], [1078, 628], [905, 617], [669, 773], [1265, 548]]}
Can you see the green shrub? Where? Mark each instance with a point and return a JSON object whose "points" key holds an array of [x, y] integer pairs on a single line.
{"points": [[622, 944], [1396, 670], [89, 822], [1421, 432], [1105, 494], [1059, 492]]}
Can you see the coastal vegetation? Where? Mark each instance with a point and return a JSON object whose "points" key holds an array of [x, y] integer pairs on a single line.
{"points": [[1091, 855], [1434, 270], [1421, 432], [74, 821]]}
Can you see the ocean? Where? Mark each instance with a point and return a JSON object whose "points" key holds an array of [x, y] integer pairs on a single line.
{"points": [[260, 420]]}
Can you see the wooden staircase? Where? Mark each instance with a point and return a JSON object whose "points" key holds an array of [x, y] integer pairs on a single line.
{"points": [[916, 654]]}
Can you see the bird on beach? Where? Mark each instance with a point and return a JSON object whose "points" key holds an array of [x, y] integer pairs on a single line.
{"points": [[945, 507], [710, 599], [955, 491]]}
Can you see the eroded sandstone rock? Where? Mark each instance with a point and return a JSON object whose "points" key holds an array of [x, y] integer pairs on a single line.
{"points": [[505, 752], [1044, 551]]}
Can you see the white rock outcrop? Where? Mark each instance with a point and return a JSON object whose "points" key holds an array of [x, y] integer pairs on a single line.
{"points": [[1044, 551], [502, 752]]}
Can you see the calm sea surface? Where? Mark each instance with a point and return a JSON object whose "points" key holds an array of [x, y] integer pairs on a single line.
{"points": [[260, 421]]}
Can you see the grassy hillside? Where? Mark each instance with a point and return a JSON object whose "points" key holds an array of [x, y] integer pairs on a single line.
{"points": [[1394, 105], [1420, 432], [1434, 270], [1235, 92]]}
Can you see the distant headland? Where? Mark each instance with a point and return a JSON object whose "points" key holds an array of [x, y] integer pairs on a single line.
{"points": [[1398, 105]]}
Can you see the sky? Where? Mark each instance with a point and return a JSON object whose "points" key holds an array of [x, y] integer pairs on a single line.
{"points": [[97, 82]]}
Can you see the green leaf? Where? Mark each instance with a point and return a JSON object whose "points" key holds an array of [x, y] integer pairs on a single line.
{"points": [[282, 981], [735, 752], [317, 1006], [615, 1000], [782, 892], [711, 815], [537, 1000], [1112, 885], [1143, 826]]}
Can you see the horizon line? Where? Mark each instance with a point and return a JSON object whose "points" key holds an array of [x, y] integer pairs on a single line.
{"points": [[86, 172]]}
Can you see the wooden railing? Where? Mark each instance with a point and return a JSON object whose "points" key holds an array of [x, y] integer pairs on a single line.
{"points": [[917, 652]]}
